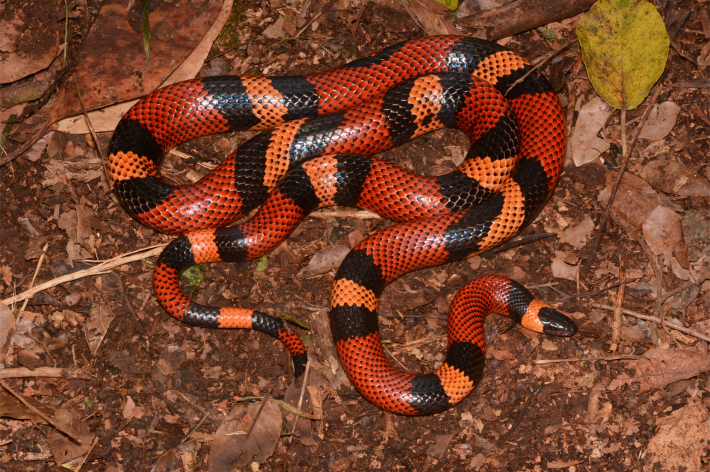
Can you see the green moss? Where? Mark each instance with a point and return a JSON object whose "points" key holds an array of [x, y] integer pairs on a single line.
{"points": [[229, 36]]}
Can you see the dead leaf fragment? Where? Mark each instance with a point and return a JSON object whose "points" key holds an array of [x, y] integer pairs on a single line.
{"points": [[248, 433], [577, 235], [327, 259], [660, 367], [675, 178], [585, 144], [97, 325], [664, 234], [63, 448], [661, 121], [438, 449], [7, 329]]}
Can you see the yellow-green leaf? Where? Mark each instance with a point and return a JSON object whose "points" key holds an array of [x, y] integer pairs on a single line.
{"points": [[450, 4], [624, 47]]}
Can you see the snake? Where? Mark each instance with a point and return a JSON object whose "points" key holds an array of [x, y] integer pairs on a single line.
{"points": [[317, 145]]}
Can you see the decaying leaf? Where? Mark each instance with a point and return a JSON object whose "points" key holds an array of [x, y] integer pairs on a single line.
{"points": [[661, 121], [660, 367], [586, 145], [664, 234], [97, 325], [247, 434], [63, 448], [675, 178]]}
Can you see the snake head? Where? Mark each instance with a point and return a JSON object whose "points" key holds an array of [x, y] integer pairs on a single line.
{"points": [[555, 323]]}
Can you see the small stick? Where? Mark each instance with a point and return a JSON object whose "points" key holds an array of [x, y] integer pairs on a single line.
{"points": [[36, 411], [32, 282], [300, 399], [519, 241], [102, 268], [88, 122], [194, 428], [327, 7], [616, 325], [584, 268], [225, 52], [83, 459], [669, 324], [540, 63], [520, 415], [580, 359], [360, 11], [18, 372]]}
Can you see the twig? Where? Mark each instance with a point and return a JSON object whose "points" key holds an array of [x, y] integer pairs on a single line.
{"points": [[519, 241], [32, 282], [360, 11], [102, 268], [36, 411], [194, 428], [88, 122], [616, 324], [225, 52], [44, 346], [584, 268], [670, 323], [540, 62], [682, 54], [22, 149], [580, 359], [586, 294], [21, 372], [83, 459], [300, 399], [327, 7], [520, 415]]}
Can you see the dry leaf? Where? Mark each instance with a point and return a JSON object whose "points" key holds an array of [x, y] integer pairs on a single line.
{"points": [[585, 144], [664, 234], [248, 433], [326, 260], [577, 235], [63, 448], [660, 367], [661, 121], [675, 178], [97, 326]]}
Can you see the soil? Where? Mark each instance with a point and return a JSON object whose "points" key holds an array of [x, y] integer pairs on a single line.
{"points": [[524, 415]]}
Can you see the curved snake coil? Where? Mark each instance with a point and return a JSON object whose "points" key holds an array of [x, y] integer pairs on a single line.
{"points": [[322, 130]]}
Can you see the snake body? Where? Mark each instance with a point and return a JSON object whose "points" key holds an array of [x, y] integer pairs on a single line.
{"points": [[322, 131]]}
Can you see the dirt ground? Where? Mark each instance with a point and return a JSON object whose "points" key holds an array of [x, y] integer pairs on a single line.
{"points": [[158, 388]]}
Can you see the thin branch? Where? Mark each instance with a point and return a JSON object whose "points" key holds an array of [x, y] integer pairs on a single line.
{"points": [[584, 268], [540, 63], [39, 413], [669, 323], [102, 268], [327, 7], [53, 372]]}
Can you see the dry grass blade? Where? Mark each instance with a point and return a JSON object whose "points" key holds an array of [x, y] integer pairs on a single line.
{"points": [[101, 268]]}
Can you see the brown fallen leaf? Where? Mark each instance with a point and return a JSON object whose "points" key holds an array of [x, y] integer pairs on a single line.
{"points": [[660, 121], [675, 178], [97, 325], [577, 235], [304, 426], [663, 233], [326, 260], [502, 355], [173, 459], [63, 448], [247, 434], [434, 17], [682, 439], [30, 38], [634, 201], [438, 449], [112, 67], [584, 142], [7, 329], [660, 367]]}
